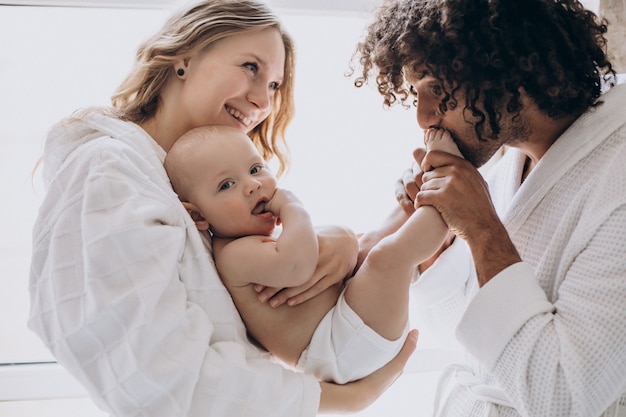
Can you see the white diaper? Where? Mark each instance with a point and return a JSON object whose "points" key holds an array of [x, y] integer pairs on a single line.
{"points": [[343, 348]]}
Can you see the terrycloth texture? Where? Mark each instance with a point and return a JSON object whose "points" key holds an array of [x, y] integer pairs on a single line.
{"points": [[124, 293], [550, 332]]}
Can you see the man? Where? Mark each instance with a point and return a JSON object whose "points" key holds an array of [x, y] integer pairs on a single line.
{"points": [[540, 303]]}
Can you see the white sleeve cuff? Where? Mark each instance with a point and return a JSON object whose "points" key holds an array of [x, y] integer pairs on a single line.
{"points": [[499, 310]]}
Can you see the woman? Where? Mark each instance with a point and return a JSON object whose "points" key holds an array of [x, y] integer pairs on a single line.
{"points": [[119, 288]]}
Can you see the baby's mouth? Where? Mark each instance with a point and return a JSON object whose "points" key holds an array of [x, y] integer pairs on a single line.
{"points": [[259, 208]]}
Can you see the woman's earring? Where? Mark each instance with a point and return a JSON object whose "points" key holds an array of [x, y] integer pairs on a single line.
{"points": [[180, 72]]}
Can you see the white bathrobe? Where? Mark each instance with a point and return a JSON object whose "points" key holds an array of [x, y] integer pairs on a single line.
{"points": [[125, 295], [546, 336]]}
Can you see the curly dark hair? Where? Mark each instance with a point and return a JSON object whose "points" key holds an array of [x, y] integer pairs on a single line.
{"points": [[487, 49]]}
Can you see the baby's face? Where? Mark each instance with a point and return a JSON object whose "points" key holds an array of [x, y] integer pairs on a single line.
{"points": [[232, 186]]}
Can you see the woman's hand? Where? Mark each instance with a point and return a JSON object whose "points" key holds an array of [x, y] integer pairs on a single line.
{"points": [[358, 395], [338, 250]]}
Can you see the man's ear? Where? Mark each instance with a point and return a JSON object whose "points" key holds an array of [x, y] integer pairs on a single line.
{"points": [[196, 216]]}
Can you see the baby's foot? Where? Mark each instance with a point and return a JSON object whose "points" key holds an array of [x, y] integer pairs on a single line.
{"points": [[440, 140]]}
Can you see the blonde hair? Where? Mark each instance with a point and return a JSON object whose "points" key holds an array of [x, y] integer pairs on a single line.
{"points": [[190, 32]]}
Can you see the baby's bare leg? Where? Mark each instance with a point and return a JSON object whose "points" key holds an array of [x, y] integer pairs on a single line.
{"points": [[378, 292]]}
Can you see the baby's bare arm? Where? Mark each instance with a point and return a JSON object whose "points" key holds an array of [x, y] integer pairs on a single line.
{"points": [[286, 261], [338, 250]]}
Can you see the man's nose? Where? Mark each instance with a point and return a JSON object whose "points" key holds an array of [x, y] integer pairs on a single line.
{"points": [[428, 115]]}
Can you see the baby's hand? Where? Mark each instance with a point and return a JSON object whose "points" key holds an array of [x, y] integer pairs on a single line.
{"points": [[440, 140], [280, 199]]}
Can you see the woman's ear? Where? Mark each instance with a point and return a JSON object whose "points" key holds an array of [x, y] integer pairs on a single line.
{"points": [[196, 216], [180, 68]]}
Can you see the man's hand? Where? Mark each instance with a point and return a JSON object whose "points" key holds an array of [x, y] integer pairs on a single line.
{"points": [[458, 191]]}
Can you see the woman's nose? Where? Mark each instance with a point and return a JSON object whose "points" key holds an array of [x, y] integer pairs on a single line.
{"points": [[260, 96]]}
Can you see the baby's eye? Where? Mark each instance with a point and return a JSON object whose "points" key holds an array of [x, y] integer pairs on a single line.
{"points": [[256, 169], [226, 185], [252, 66]]}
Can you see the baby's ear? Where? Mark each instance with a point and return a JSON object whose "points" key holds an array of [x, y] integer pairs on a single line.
{"points": [[196, 216]]}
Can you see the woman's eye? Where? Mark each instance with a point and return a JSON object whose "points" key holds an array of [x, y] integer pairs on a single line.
{"points": [[274, 86], [252, 66], [226, 185]]}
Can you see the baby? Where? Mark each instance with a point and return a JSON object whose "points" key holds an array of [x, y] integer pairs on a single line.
{"points": [[346, 332]]}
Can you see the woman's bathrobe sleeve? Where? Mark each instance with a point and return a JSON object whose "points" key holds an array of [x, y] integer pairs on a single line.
{"points": [[126, 297]]}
